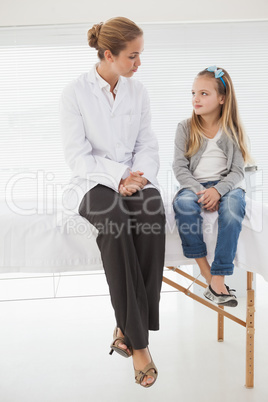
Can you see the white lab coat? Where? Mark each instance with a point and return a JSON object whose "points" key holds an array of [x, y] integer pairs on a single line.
{"points": [[102, 143]]}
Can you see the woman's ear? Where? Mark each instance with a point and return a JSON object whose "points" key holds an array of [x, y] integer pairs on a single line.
{"points": [[108, 56], [222, 100]]}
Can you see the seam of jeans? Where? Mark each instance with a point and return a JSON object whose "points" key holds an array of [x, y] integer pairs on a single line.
{"points": [[200, 255], [222, 272], [217, 236]]}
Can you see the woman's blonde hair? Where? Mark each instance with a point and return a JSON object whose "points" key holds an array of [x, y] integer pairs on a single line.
{"points": [[229, 119], [113, 35]]}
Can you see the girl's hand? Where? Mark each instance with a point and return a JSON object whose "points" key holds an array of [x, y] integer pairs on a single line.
{"points": [[210, 198], [216, 208]]}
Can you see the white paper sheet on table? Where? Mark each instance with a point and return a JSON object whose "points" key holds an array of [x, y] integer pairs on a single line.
{"points": [[37, 243]]}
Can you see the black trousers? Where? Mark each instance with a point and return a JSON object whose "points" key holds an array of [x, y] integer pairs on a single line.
{"points": [[131, 239]]}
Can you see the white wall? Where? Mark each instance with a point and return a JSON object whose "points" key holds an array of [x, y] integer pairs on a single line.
{"points": [[35, 12]]}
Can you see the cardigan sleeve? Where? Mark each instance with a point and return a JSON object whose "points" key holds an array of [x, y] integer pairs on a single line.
{"points": [[181, 164], [236, 173]]}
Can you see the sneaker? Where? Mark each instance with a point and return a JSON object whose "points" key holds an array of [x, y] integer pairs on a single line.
{"points": [[229, 300]]}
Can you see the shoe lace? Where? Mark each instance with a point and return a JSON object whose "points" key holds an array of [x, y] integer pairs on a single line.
{"points": [[230, 290]]}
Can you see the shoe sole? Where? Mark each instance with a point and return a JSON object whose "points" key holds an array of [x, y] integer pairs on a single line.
{"points": [[229, 303], [120, 352]]}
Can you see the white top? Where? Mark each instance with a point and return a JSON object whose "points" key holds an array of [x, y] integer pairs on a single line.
{"points": [[103, 140], [213, 161]]}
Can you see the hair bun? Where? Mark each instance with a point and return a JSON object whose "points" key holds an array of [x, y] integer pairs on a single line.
{"points": [[93, 35]]}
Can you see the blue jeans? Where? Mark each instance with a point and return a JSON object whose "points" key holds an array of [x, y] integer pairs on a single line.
{"points": [[190, 226]]}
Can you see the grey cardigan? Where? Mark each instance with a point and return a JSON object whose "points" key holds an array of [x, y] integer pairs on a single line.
{"points": [[184, 167]]}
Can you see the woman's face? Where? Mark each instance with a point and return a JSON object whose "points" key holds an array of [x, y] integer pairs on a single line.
{"points": [[128, 60], [205, 98]]}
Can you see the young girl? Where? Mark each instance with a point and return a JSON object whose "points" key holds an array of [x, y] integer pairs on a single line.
{"points": [[209, 158], [113, 153]]}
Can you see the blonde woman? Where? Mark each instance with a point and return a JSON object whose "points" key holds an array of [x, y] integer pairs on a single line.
{"points": [[113, 153], [210, 154]]}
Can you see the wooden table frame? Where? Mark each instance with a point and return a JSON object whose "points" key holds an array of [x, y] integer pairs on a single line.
{"points": [[248, 324]]}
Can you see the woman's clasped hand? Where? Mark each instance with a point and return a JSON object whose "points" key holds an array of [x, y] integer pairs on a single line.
{"points": [[134, 182]]}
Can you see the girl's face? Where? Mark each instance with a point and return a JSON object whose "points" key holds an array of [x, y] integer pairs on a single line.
{"points": [[128, 60], [205, 98]]}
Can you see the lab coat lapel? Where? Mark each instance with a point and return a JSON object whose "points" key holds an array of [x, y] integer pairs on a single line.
{"points": [[121, 94], [99, 93], [97, 90]]}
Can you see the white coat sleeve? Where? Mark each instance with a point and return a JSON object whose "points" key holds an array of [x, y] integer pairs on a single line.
{"points": [[145, 155], [78, 150]]}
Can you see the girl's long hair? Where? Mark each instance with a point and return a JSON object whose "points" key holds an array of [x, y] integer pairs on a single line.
{"points": [[229, 119]]}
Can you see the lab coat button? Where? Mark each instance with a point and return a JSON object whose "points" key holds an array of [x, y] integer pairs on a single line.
{"points": [[118, 145]]}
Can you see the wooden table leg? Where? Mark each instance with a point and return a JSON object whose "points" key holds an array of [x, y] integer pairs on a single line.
{"points": [[249, 324], [250, 330], [221, 326]]}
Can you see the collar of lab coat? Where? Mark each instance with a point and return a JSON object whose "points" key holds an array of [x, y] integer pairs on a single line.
{"points": [[104, 84], [120, 95]]}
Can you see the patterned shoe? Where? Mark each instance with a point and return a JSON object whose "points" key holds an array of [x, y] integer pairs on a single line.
{"points": [[229, 300], [231, 291]]}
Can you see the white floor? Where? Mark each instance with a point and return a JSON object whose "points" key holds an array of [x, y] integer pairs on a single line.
{"points": [[57, 350]]}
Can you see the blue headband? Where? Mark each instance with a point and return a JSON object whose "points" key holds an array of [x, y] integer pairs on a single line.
{"points": [[218, 73]]}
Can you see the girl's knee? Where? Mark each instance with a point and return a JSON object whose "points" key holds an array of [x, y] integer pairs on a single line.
{"points": [[233, 205], [185, 201]]}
